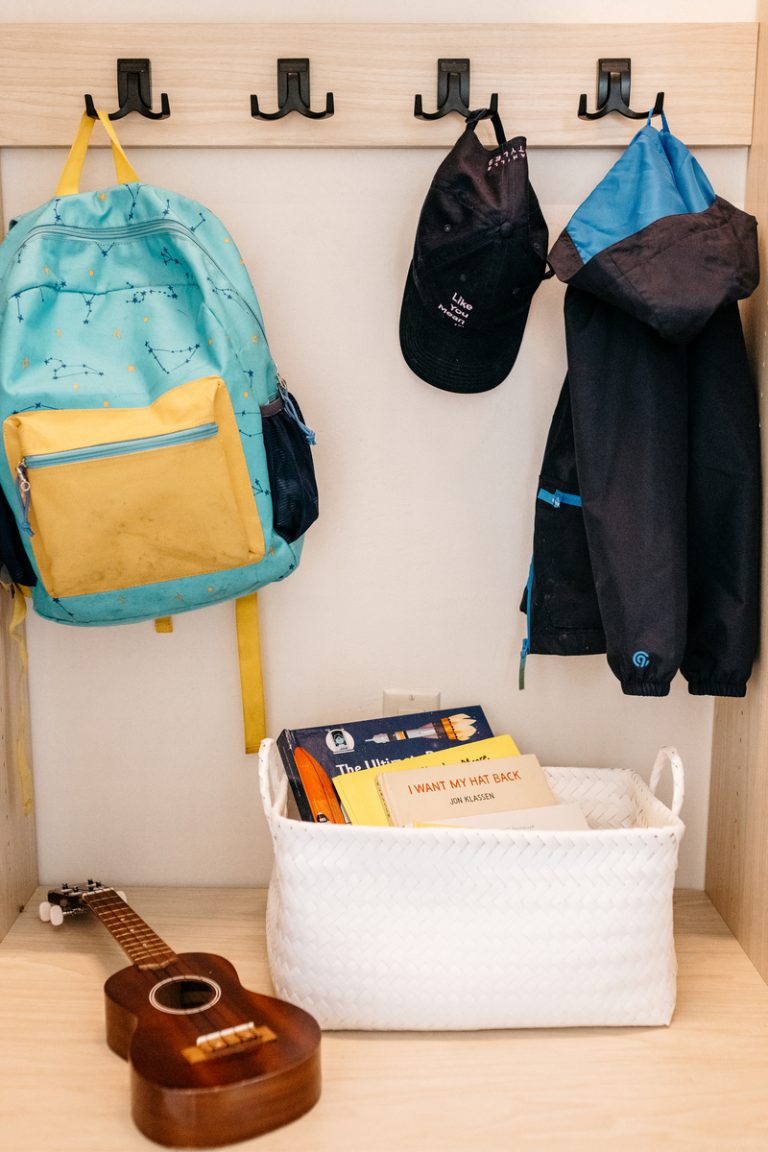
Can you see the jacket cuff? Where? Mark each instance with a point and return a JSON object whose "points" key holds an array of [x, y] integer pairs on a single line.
{"points": [[717, 688], [643, 688]]}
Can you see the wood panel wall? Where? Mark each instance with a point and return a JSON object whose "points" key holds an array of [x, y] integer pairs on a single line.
{"points": [[737, 845]]}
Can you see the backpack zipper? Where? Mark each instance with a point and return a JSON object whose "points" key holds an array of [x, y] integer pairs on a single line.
{"points": [[104, 451], [129, 231]]}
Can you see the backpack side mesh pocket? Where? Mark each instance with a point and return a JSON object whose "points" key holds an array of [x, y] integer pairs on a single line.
{"points": [[287, 442]]}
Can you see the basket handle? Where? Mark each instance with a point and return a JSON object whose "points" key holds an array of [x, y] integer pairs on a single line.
{"points": [[670, 756], [273, 783]]}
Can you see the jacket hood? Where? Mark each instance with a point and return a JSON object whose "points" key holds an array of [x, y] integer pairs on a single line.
{"points": [[655, 240]]}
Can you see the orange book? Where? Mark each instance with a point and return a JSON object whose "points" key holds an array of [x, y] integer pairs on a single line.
{"points": [[318, 789]]}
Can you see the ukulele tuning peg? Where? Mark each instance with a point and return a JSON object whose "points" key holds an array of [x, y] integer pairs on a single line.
{"points": [[56, 915], [44, 911]]}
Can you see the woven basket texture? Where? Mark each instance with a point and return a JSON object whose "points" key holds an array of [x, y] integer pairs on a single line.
{"points": [[413, 928]]}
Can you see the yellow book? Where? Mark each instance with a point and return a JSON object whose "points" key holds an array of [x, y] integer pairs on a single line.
{"points": [[359, 793]]}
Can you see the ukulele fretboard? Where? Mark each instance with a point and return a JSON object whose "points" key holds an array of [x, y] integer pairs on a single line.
{"points": [[143, 946]]}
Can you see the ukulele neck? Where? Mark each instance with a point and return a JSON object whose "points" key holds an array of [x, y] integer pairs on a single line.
{"points": [[142, 946]]}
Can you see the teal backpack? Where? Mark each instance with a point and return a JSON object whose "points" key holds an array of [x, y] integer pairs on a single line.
{"points": [[153, 458], [152, 455]]}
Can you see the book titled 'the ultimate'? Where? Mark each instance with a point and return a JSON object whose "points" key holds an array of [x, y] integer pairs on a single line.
{"points": [[312, 757]]}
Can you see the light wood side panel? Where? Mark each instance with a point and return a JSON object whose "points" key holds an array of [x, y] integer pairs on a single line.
{"points": [[374, 70], [18, 850], [737, 846], [18, 843]]}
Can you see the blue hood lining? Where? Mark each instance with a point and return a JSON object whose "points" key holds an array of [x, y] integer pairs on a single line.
{"points": [[656, 176]]}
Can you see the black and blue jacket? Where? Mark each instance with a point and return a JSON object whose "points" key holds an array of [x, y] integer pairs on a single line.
{"points": [[647, 524]]}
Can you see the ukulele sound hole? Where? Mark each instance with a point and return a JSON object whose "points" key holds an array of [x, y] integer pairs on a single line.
{"points": [[185, 994]]}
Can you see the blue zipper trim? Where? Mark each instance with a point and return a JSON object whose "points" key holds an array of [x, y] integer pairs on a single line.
{"points": [[101, 452], [120, 447], [557, 498], [22, 491], [290, 408], [527, 639]]}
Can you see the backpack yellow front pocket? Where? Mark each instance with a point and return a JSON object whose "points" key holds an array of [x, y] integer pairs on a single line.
{"points": [[120, 497]]}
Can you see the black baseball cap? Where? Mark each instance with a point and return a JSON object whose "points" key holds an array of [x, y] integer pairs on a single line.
{"points": [[479, 256]]}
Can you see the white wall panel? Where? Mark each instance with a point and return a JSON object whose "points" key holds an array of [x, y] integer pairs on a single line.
{"points": [[413, 574]]}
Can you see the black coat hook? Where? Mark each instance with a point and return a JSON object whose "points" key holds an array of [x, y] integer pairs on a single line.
{"points": [[134, 92], [614, 80], [452, 91], [293, 92]]}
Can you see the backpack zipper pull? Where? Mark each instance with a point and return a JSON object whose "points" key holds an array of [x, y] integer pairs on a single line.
{"points": [[22, 487], [290, 408]]}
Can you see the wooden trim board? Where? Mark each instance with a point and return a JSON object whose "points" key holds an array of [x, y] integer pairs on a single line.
{"points": [[737, 844], [18, 846], [374, 71]]}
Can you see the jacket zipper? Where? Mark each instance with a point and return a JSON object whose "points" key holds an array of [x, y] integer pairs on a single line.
{"points": [[104, 451], [555, 498], [527, 638]]}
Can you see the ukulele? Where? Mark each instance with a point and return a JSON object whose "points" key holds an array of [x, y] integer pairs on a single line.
{"points": [[211, 1062]]}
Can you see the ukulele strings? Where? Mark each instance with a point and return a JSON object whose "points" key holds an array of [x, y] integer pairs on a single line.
{"points": [[112, 912]]}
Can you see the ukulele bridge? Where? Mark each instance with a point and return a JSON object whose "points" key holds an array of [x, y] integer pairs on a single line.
{"points": [[228, 1041]]}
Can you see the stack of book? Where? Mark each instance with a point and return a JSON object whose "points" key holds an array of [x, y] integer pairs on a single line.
{"points": [[438, 769]]}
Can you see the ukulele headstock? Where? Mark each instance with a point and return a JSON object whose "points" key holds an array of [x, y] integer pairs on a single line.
{"points": [[68, 900]]}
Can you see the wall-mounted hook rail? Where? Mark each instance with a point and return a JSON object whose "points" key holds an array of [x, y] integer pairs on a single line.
{"points": [[293, 92], [452, 91], [379, 67], [134, 92], [614, 81]]}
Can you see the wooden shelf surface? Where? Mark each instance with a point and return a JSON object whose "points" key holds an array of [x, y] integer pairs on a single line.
{"points": [[699, 1084]]}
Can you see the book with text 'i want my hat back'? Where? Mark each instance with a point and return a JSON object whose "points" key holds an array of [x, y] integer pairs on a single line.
{"points": [[438, 792]]}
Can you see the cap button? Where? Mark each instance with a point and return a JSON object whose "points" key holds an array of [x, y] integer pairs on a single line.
{"points": [[506, 229]]}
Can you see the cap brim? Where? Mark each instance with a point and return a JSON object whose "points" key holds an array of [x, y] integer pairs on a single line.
{"points": [[457, 361]]}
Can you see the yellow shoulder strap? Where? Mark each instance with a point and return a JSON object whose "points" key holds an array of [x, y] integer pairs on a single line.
{"points": [[69, 183], [21, 749], [251, 676]]}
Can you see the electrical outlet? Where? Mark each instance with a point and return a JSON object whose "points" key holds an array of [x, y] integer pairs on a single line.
{"points": [[400, 703]]}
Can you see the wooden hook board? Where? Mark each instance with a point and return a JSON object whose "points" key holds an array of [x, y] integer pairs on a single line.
{"points": [[707, 72]]}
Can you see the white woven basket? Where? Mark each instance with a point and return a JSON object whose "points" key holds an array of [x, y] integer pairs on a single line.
{"points": [[416, 928]]}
